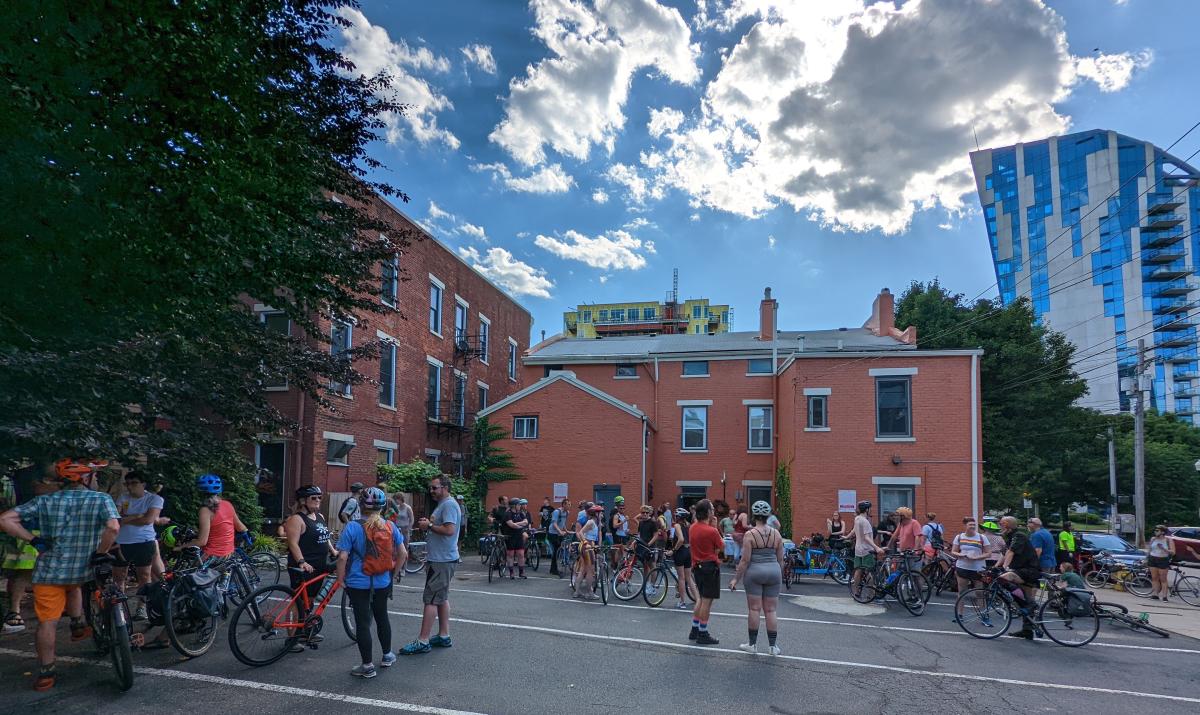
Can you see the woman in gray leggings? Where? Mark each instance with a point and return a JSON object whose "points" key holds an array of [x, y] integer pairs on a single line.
{"points": [[760, 570]]}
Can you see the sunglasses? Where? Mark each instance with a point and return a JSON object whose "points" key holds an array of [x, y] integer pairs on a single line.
{"points": [[318, 498]]}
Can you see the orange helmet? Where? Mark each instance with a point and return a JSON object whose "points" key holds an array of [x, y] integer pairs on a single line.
{"points": [[73, 470]]}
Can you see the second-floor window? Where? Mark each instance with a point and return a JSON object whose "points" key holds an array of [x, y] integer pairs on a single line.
{"points": [[628, 370], [603, 316], [433, 395], [695, 367], [390, 278], [696, 311], [512, 360], [435, 308], [759, 366], [525, 428], [460, 322], [617, 316], [483, 397], [893, 407], [648, 314], [760, 427], [695, 428], [586, 317], [818, 411], [340, 339], [387, 374], [485, 333]]}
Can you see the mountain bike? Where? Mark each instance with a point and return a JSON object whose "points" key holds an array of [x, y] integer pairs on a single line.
{"points": [[1067, 616], [107, 611], [661, 580], [495, 562], [1116, 613], [418, 554], [892, 577], [533, 549], [266, 626], [1109, 571], [1186, 587], [191, 605], [627, 579]]}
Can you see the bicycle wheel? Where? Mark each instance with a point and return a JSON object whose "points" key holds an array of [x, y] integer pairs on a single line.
{"points": [[533, 557], [1188, 589], [348, 617], [912, 592], [254, 637], [601, 580], [789, 574], [654, 591], [1139, 584], [416, 559], [493, 568], [189, 635], [627, 583], [98, 625], [268, 566], [867, 590], [1097, 578], [121, 651], [485, 550], [982, 613], [922, 584], [1138, 624], [1102, 606], [838, 570], [1066, 628]]}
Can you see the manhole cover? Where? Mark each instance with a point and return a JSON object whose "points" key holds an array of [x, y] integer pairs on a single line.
{"points": [[843, 606]]}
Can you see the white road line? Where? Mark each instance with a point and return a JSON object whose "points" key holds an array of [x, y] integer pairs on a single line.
{"points": [[823, 661], [268, 687], [815, 621]]}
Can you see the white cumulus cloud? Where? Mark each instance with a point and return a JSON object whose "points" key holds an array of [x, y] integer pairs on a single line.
{"points": [[663, 121], [481, 57], [372, 51], [859, 115], [546, 180], [506, 271], [574, 99], [599, 196], [470, 229], [615, 250]]}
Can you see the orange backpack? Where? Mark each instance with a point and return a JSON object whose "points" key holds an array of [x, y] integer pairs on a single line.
{"points": [[379, 555]]}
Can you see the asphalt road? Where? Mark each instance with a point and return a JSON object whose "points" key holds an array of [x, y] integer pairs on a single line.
{"points": [[527, 647]]}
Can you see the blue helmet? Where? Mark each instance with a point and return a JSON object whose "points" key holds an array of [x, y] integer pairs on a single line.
{"points": [[209, 484], [372, 499]]}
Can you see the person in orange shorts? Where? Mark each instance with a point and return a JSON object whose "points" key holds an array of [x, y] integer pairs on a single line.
{"points": [[72, 524]]}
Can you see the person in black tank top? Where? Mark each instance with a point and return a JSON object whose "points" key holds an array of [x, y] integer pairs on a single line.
{"points": [[682, 558], [310, 549]]}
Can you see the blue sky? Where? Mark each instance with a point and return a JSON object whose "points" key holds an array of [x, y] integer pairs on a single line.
{"points": [[578, 151]]}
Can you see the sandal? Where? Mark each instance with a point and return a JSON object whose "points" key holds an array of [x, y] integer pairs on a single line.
{"points": [[13, 623]]}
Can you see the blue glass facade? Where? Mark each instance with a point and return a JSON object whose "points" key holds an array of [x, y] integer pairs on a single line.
{"points": [[1003, 183]]}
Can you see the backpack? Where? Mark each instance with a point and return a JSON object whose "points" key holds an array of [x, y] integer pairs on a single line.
{"points": [[379, 555], [935, 535]]}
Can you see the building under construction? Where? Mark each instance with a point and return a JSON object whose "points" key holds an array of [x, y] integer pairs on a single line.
{"points": [[697, 316]]}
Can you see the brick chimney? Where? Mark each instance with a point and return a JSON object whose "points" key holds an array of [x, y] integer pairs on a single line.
{"points": [[768, 311], [883, 319]]}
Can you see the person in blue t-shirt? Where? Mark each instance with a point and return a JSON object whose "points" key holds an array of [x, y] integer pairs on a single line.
{"points": [[1043, 543], [369, 593]]}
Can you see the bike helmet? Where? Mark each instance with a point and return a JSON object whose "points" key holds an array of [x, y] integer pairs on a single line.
{"points": [[169, 538], [74, 470], [308, 490], [990, 526], [682, 513], [209, 484], [597, 509], [864, 506], [760, 508], [372, 499], [619, 500]]}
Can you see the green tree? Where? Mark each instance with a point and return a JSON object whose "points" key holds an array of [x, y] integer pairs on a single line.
{"points": [[411, 477], [783, 498], [167, 165], [490, 464], [1172, 482]]}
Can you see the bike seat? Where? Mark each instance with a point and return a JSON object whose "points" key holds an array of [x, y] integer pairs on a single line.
{"points": [[101, 559]]}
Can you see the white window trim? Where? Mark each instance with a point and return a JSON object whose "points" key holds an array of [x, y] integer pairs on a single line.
{"points": [[817, 392], [395, 368], [695, 376], [694, 483], [462, 301], [434, 280], [514, 358], [441, 299], [483, 319], [434, 361], [693, 403], [766, 403], [895, 439], [750, 430], [339, 436], [896, 481], [818, 429], [683, 405], [433, 452], [484, 385], [395, 282], [891, 371], [757, 483], [384, 444], [627, 377], [537, 427]]}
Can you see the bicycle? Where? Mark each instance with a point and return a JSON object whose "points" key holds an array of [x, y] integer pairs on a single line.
{"points": [[272, 618], [1186, 587], [418, 554], [661, 578], [495, 562], [533, 549], [1117, 613], [106, 609], [1109, 571], [566, 555], [893, 577], [627, 579], [189, 616], [1067, 616], [602, 575]]}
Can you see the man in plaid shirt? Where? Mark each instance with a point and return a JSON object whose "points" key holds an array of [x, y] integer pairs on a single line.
{"points": [[74, 523]]}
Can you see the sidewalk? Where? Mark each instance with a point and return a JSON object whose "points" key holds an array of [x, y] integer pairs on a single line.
{"points": [[1174, 615]]}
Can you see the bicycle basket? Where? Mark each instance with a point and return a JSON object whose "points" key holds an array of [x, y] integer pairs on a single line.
{"points": [[1080, 602], [201, 588]]}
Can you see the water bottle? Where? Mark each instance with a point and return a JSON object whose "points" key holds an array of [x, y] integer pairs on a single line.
{"points": [[326, 587], [892, 577]]}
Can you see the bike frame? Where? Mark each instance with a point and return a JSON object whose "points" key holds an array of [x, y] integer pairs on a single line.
{"points": [[301, 593]]}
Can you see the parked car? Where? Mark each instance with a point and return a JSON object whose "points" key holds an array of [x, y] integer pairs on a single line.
{"points": [[1187, 542], [1117, 548]]}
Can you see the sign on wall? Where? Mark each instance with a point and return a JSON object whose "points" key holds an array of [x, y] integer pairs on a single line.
{"points": [[847, 500], [560, 491]]}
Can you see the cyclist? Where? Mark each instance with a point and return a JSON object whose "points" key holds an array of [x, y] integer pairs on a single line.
{"points": [[971, 550], [558, 529], [137, 543], [351, 510], [496, 515], [865, 548], [371, 554], [308, 544], [513, 529], [401, 514], [588, 534], [761, 570], [681, 555], [545, 514], [705, 544], [217, 522], [996, 545], [618, 527], [648, 537], [73, 524], [1022, 569]]}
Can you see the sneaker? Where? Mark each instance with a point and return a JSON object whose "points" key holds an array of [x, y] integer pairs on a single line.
{"points": [[705, 639], [296, 648], [524, 576], [695, 632], [1025, 633], [774, 650], [681, 606], [748, 648], [389, 659], [80, 631], [440, 642], [1154, 598], [316, 638], [415, 648], [139, 614], [367, 670]]}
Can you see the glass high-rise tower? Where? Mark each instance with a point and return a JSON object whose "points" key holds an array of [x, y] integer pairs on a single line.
{"points": [[1102, 233]]}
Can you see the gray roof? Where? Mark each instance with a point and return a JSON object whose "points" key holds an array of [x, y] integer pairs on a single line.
{"points": [[852, 340]]}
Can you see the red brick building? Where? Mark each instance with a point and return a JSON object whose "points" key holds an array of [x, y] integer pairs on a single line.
{"points": [[451, 345], [858, 413]]}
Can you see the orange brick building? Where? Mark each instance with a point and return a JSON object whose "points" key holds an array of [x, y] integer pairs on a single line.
{"points": [[858, 413]]}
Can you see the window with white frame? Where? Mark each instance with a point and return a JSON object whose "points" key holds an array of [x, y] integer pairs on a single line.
{"points": [[389, 271], [760, 427], [695, 368], [603, 316], [512, 359], [483, 397], [525, 428], [818, 412], [387, 373], [460, 322], [435, 308], [459, 404], [695, 427], [337, 451], [627, 370], [433, 394], [485, 334], [586, 317], [759, 366], [384, 455], [341, 337], [617, 315], [276, 322], [893, 407], [648, 313]]}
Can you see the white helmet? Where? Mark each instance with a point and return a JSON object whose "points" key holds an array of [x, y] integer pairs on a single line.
{"points": [[760, 508]]}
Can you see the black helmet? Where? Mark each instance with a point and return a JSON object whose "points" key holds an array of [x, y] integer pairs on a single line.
{"points": [[308, 490], [864, 506]]}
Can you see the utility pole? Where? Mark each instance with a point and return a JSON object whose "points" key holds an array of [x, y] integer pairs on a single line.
{"points": [[1139, 447], [1112, 482]]}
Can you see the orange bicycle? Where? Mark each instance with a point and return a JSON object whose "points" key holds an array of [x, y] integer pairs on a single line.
{"points": [[267, 626]]}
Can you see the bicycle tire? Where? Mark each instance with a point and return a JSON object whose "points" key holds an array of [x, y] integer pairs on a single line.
{"points": [[1139, 584], [269, 567], [654, 590], [348, 622], [99, 639], [1139, 624], [912, 593], [982, 613], [533, 557], [1096, 579], [1085, 627], [416, 561], [1188, 589], [789, 574], [491, 564], [601, 580], [1105, 605], [178, 621], [838, 570], [627, 583], [121, 650], [485, 550], [251, 623], [867, 588]]}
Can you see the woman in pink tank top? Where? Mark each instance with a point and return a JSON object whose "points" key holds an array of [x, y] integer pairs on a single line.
{"points": [[218, 522]]}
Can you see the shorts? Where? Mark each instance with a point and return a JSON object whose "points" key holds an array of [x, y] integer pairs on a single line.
{"points": [[619, 540], [1159, 562], [643, 553], [763, 579], [864, 562], [968, 574], [136, 555], [50, 600], [515, 542], [708, 579], [683, 557], [1029, 577], [438, 575]]}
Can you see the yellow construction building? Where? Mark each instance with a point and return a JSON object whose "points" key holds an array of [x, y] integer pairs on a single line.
{"points": [[695, 315]]}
